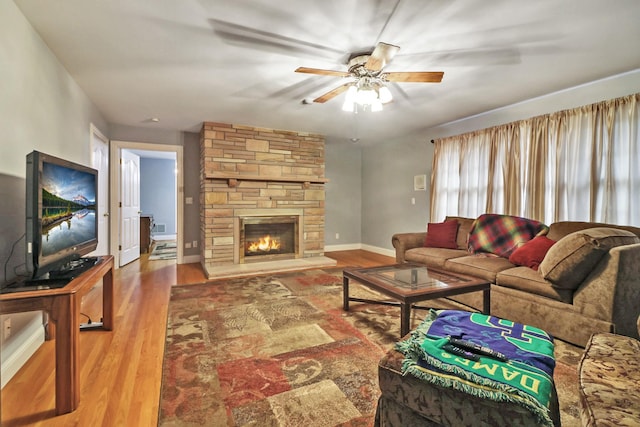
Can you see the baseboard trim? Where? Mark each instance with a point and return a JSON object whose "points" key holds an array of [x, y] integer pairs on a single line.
{"points": [[33, 339], [354, 246], [190, 259], [162, 237], [347, 247], [381, 251]]}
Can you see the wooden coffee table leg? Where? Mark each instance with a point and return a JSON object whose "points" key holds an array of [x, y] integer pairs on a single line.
{"points": [[405, 317], [345, 293], [486, 301]]}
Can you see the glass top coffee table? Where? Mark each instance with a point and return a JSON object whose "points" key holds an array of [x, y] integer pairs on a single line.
{"points": [[411, 283]]}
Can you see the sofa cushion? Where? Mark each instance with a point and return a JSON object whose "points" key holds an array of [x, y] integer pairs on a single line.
{"points": [[442, 235], [433, 257], [573, 257], [482, 265], [530, 281], [609, 374], [463, 230], [531, 253]]}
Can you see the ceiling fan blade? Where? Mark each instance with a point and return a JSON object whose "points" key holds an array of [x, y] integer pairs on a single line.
{"points": [[462, 57], [322, 72], [264, 40], [389, 18], [332, 93], [381, 56], [415, 76]]}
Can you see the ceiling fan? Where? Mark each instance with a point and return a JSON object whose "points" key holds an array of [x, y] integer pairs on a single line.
{"points": [[367, 86]]}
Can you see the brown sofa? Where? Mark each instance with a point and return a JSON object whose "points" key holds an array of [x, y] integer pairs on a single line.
{"points": [[591, 295]]}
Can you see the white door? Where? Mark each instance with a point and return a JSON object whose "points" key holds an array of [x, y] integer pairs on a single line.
{"points": [[129, 207], [100, 162]]}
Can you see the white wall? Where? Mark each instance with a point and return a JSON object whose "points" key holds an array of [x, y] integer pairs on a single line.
{"points": [[42, 108]]}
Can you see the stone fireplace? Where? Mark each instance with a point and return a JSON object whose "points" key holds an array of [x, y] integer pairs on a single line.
{"points": [[262, 200]]}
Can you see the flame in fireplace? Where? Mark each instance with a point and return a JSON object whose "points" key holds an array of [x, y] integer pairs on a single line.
{"points": [[264, 244]]}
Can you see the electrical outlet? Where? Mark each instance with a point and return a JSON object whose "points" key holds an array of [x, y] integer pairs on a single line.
{"points": [[337, 236], [7, 328], [195, 243], [187, 245]]}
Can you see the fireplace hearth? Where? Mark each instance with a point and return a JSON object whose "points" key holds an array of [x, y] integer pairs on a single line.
{"points": [[268, 238]]}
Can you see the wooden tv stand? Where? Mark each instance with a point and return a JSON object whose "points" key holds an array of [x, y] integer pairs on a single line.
{"points": [[63, 307]]}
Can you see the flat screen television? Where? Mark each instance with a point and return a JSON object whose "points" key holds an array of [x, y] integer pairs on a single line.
{"points": [[61, 199]]}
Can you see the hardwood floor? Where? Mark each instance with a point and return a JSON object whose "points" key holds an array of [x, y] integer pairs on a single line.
{"points": [[120, 370]]}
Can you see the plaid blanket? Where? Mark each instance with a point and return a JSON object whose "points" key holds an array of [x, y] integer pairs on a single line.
{"points": [[526, 379], [502, 234]]}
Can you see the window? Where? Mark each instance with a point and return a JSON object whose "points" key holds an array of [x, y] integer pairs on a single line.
{"points": [[581, 164]]}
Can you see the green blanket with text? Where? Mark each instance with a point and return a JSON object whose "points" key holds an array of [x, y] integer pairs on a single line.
{"points": [[524, 378]]}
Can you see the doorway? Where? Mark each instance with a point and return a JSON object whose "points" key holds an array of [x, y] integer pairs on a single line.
{"points": [[125, 148], [100, 161]]}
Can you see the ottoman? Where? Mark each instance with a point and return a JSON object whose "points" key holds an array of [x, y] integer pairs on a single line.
{"points": [[406, 400]]}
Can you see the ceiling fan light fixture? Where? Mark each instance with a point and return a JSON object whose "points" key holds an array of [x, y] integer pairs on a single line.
{"points": [[370, 96], [349, 107], [367, 93], [351, 94], [366, 96], [384, 94], [376, 106], [350, 99]]}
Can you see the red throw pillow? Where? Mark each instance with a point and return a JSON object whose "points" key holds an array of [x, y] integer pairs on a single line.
{"points": [[532, 253], [442, 235]]}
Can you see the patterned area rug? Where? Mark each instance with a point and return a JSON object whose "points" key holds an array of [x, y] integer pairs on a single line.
{"points": [[164, 250], [279, 351]]}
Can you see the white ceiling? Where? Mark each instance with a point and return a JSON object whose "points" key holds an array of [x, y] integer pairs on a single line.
{"points": [[233, 61]]}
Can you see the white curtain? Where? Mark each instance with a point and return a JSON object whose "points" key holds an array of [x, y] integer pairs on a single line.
{"points": [[581, 164]]}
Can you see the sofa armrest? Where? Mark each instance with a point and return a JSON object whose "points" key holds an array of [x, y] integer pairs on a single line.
{"points": [[612, 291], [402, 242]]}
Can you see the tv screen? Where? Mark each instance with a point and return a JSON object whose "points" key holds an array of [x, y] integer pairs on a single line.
{"points": [[61, 212]]}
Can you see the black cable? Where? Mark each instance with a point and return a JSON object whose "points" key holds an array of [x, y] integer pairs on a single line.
{"points": [[87, 316], [13, 247]]}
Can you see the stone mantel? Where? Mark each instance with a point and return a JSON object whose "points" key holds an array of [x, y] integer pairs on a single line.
{"points": [[268, 212], [233, 179]]}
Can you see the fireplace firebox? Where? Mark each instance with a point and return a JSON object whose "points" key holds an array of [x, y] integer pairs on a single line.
{"points": [[268, 238]]}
